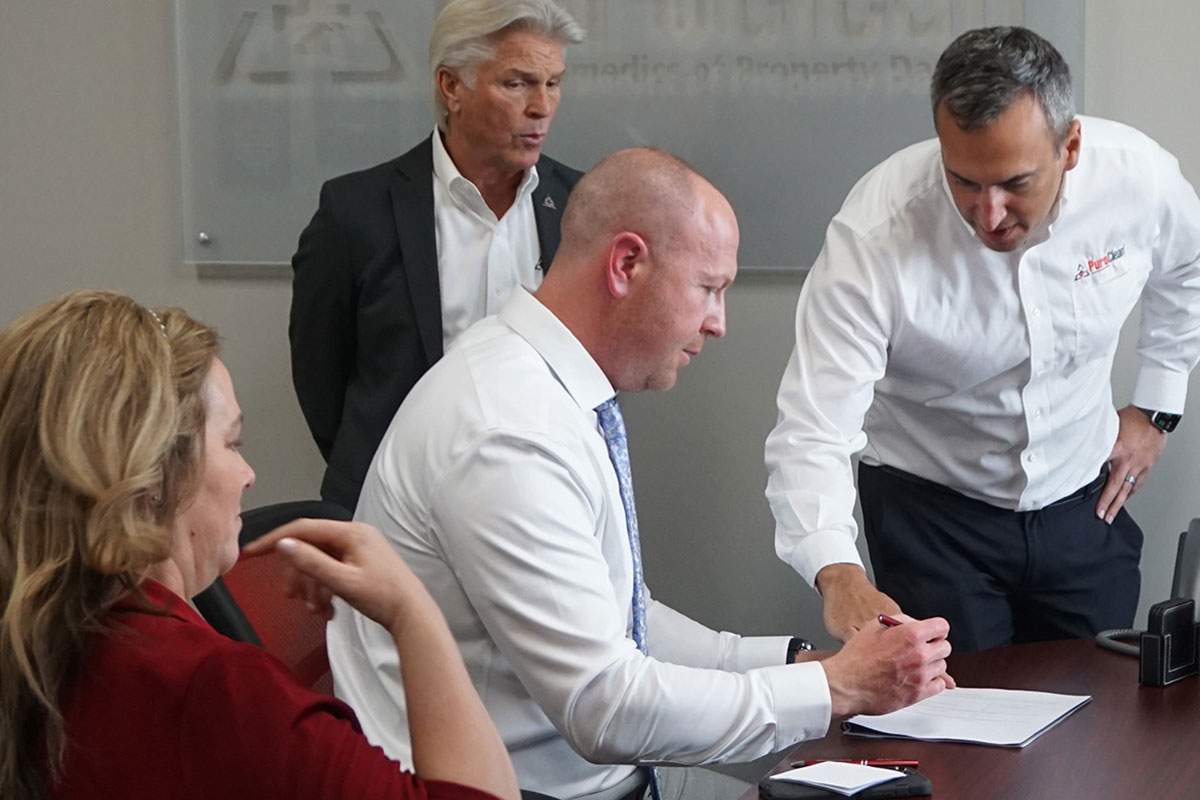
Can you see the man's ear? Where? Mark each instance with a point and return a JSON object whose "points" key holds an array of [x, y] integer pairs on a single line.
{"points": [[449, 85], [1072, 145], [627, 258]]}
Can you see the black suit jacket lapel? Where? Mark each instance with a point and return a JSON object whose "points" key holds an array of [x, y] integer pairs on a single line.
{"points": [[412, 207], [549, 200]]}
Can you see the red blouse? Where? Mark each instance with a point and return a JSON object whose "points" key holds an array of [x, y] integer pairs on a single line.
{"points": [[168, 707]]}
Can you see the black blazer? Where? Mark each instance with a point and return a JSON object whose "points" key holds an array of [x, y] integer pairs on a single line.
{"points": [[366, 318]]}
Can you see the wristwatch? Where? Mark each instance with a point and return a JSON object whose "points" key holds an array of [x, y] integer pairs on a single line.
{"points": [[797, 645], [1161, 419]]}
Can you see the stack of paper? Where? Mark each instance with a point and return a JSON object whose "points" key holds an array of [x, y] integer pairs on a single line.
{"points": [[979, 716], [836, 776]]}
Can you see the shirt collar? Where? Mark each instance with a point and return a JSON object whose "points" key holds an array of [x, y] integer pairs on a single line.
{"points": [[161, 599], [459, 188], [566, 357], [1056, 211]]}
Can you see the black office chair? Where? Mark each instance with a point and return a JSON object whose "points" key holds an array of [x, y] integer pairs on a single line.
{"points": [[1186, 581], [223, 613], [246, 604], [216, 604]]}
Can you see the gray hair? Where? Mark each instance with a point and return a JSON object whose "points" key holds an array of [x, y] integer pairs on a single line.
{"points": [[984, 70], [464, 35]]}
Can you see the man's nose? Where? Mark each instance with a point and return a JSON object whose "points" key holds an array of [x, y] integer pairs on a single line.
{"points": [[714, 323], [992, 209], [538, 105]]}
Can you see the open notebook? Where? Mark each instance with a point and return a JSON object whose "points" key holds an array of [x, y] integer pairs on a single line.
{"points": [[1001, 717]]}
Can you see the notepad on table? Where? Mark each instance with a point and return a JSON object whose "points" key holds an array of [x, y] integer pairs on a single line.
{"points": [[1002, 717], [840, 777]]}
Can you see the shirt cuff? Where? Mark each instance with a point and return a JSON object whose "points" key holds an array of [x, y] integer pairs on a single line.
{"points": [[818, 550], [802, 702], [754, 652], [1160, 389]]}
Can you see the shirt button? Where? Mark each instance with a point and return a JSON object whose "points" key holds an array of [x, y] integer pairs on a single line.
{"points": [[1035, 311], [1037, 413], [1031, 457]]}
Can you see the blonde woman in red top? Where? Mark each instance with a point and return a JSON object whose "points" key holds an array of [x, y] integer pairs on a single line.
{"points": [[122, 480]]}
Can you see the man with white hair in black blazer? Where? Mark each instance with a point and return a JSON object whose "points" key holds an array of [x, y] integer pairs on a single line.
{"points": [[402, 257]]}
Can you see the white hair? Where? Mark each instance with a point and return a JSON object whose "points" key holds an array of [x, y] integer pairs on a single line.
{"points": [[464, 35]]}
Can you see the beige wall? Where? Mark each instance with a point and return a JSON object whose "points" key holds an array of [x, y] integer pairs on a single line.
{"points": [[89, 196], [1142, 70]]}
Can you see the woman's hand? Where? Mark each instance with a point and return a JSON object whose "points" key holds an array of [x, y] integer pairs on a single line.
{"points": [[453, 738], [348, 559]]}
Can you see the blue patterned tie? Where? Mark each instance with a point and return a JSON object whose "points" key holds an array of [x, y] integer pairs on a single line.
{"points": [[612, 425]]}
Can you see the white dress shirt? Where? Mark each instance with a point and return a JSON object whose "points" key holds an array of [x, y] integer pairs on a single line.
{"points": [[494, 483], [985, 372], [481, 259]]}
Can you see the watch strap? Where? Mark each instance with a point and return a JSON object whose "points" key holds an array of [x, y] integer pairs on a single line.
{"points": [[796, 646], [1163, 420]]}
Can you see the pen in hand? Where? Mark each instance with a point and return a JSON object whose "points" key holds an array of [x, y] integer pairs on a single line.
{"points": [[891, 622]]}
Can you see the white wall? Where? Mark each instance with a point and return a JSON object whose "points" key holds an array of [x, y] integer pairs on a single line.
{"points": [[1141, 69], [89, 196]]}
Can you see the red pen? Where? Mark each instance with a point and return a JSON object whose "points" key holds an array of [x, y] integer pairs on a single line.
{"points": [[870, 762], [889, 622]]}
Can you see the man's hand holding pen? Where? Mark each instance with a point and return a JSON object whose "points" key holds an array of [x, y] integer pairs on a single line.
{"points": [[889, 665]]}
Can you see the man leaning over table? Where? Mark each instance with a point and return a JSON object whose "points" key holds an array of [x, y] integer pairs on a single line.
{"points": [[504, 482], [959, 328]]}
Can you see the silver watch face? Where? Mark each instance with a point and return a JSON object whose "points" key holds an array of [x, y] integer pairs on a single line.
{"points": [[1162, 420], [1165, 422]]}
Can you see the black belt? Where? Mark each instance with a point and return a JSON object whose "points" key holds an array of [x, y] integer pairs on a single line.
{"points": [[1079, 494], [1084, 491]]}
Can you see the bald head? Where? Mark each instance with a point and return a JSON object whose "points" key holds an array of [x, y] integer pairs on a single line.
{"points": [[646, 191], [648, 249]]}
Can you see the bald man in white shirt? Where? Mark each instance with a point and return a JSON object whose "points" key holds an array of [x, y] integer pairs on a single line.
{"points": [[958, 328], [504, 481]]}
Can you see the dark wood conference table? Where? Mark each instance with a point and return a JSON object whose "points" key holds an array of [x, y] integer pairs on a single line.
{"points": [[1130, 741]]}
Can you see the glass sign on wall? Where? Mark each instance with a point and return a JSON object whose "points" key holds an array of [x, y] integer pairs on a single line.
{"points": [[784, 104]]}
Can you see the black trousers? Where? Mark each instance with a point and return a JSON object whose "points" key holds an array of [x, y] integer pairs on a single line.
{"points": [[1000, 576]]}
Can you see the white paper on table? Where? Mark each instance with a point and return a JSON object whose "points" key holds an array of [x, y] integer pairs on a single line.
{"points": [[1002, 717], [840, 777]]}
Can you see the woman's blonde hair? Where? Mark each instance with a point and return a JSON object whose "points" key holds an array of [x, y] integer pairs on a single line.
{"points": [[101, 436]]}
